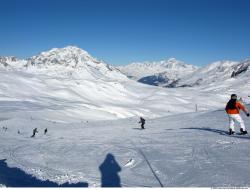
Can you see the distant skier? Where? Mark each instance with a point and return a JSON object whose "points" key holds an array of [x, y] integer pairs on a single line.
{"points": [[18, 132], [233, 108], [34, 132], [241, 100], [45, 131], [142, 121]]}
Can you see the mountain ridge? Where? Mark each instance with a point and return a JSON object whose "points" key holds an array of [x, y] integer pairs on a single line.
{"points": [[182, 77], [166, 73], [157, 72]]}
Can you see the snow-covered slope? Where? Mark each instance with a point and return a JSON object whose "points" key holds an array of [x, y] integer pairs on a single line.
{"points": [[70, 97], [173, 73], [70, 85], [72, 61], [91, 112], [217, 72], [69, 56], [157, 73], [185, 150], [11, 62]]}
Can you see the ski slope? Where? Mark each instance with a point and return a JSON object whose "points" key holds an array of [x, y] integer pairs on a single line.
{"points": [[68, 84], [64, 97], [91, 111], [185, 150]]}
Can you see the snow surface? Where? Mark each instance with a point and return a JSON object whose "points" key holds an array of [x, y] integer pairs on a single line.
{"points": [[72, 85], [187, 150], [91, 111]]}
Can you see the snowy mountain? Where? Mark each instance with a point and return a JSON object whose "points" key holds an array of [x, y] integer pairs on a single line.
{"points": [[91, 111], [72, 61], [70, 56], [173, 73], [158, 73], [6, 60], [214, 73], [73, 85], [11, 62]]}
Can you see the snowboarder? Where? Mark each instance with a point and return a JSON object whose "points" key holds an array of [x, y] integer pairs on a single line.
{"points": [[45, 131], [18, 132], [34, 132], [142, 121], [233, 108]]}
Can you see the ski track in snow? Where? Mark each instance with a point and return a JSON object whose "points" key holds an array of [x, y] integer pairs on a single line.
{"points": [[184, 152]]}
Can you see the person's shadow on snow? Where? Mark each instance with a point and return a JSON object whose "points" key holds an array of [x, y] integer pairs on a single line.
{"points": [[109, 170]]}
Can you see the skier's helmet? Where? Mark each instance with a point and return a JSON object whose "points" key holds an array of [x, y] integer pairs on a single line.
{"points": [[234, 96]]}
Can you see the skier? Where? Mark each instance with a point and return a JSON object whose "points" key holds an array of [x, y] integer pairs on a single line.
{"points": [[142, 121], [241, 100], [34, 132], [233, 108], [45, 131]]}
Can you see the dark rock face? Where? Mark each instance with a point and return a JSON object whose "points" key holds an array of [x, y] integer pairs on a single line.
{"points": [[173, 84], [240, 68], [233, 74], [4, 60]]}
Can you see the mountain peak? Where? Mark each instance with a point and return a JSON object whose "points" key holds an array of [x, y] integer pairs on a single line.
{"points": [[67, 56], [173, 63], [172, 59], [71, 48], [66, 51]]}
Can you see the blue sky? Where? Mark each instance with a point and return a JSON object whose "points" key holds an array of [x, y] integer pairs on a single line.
{"points": [[122, 31]]}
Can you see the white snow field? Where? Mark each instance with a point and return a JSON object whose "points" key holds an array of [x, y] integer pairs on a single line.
{"points": [[187, 150], [91, 111]]}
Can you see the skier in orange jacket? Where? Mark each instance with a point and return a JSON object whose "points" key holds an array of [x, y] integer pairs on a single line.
{"points": [[233, 110]]}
